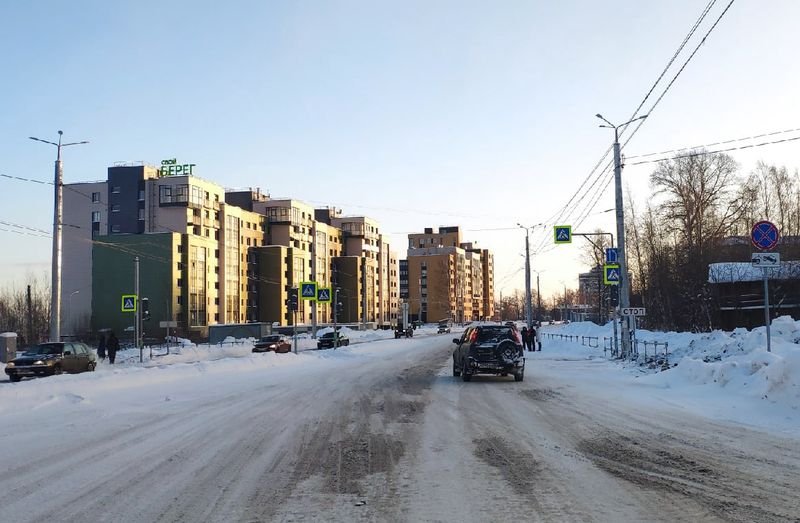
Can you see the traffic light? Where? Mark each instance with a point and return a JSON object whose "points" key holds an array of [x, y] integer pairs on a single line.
{"points": [[294, 302], [145, 309], [613, 295]]}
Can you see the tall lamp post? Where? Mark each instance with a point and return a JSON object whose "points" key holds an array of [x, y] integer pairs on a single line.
{"points": [[624, 284], [528, 305], [55, 279], [538, 297]]}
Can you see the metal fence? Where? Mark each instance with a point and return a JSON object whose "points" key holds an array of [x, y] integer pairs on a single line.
{"points": [[646, 352]]}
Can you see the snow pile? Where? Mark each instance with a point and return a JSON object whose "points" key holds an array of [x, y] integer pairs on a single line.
{"points": [[735, 361]]}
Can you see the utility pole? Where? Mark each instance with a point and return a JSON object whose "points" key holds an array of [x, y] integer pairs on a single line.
{"points": [[137, 311], [538, 297], [528, 304], [58, 211], [624, 284], [30, 318], [335, 310]]}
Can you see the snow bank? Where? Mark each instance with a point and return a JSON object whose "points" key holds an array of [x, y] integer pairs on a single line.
{"points": [[736, 361]]}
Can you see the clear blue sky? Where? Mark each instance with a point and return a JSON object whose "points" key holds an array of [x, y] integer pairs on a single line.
{"points": [[416, 113]]}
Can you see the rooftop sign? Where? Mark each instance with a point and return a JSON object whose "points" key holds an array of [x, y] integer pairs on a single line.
{"points": [[173, 168]]}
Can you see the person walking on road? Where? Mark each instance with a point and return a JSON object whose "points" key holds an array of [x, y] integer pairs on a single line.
{"points": [[536, 341], [113, 347], [101, 347]]}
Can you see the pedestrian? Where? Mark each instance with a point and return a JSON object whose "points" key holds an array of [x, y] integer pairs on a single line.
{"points": [[101, 347], [113, 347], [526, 339], [536, 341]]}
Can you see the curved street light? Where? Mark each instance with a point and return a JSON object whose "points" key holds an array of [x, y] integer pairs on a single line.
{"points": [[55, 282]]}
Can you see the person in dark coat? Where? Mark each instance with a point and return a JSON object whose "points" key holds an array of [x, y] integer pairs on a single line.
{"points": [[526, 339], [113, 347], [101, 348]]}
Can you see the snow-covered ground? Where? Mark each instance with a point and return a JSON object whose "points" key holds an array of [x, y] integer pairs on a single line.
{"points": [[723, 375], [381, 429], [727, 375]]}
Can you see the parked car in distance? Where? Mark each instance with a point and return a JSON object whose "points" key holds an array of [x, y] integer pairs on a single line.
{"points": [[417, 323], [489, 349], [326, 341], [47, 359], [273, 343], [443, 328]]}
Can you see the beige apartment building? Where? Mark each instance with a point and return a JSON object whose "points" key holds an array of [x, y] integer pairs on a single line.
{"points": [[446, 278], [217, 256]]}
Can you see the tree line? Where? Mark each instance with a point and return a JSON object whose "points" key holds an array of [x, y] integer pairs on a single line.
{"points": [[700, 205], [26, 310]]}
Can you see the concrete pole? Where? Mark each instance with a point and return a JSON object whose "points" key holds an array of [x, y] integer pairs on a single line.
{"points": [[624, 284], [528, 312], [138, 308], [55, 276]]}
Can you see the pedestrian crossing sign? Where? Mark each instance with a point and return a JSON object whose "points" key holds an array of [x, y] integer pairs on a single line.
{"points": [[611, 274], [562, 233], [129, 303], [324, 294], [308, 290]]}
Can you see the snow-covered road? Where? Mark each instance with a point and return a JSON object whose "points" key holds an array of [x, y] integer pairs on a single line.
{"points": [[380, 432]]}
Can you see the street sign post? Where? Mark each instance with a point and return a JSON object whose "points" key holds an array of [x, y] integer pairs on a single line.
{"points": [[765, 259], [611, 274], [323, 294], [129, 303], [764, 235], [308, 290], [562, 233]]}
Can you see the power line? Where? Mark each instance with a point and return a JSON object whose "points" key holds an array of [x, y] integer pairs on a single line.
{"points": [[733, 140], [703, 153]]}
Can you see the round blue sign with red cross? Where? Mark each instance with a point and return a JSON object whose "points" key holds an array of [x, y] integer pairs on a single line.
{"points": [[764, 235]]}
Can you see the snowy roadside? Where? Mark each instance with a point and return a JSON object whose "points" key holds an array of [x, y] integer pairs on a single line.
{"points": [[723, 375]]}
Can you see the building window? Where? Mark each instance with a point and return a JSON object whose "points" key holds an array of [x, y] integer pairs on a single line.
{"points": [[95, 197], [115, 228], [115, 189], [115, 207], [180, 282], [141, 195], [141, 214], [95, 216]]}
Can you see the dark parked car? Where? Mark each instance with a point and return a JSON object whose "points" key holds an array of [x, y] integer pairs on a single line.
{"points": [[326, 340], [489, 349], [401, 332], [47, 359], [273, 343]]}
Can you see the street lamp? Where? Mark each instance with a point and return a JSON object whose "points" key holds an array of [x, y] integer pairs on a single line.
{"points": [[538, 296], [58, 204], [624, 294], [528, 315], [69, 312]]}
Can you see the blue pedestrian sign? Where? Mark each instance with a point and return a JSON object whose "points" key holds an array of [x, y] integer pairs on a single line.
{"points": [[324, 294], [562, 233], [128, 303], [764, 235], [611, 274], [308, 290], [611, 255]]}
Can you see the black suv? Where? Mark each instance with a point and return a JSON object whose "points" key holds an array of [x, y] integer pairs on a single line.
{"points": [[328, 341], [489, 349]]}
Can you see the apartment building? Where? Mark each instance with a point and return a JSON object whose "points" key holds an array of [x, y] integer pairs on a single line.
{"points": [[444, 277], [207, 255]]}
